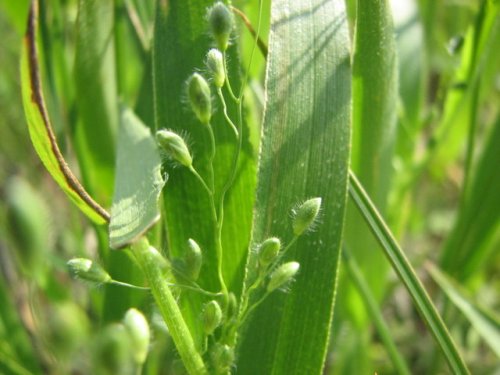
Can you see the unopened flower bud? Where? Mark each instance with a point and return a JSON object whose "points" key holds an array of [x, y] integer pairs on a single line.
{"points": [[199, 97], [305, 215], [112, 351], [268, 250], [232, 305], [282, 275], [193, 260], [138, 329], [223, 358], [174, 146], [87, 270], [212, 317], [221, 23], [215, 64]]}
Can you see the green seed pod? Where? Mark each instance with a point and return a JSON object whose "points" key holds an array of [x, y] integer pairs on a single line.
{"points": [[221, 22], [223, 358], [305, 215], [85, 269], [215, 63], [138, 328], [282, 275], [268, 250], [199, 97], [174, 146], [193, 260], [212, 317]]}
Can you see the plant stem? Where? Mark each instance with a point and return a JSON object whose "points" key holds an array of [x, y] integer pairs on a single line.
{"points": [[218, 227], [224, 110], [147, 257], [121, 283], [211, 157], [228, 84]]}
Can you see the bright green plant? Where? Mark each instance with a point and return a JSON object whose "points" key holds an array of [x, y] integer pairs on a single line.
{"points": [[224, 201]]}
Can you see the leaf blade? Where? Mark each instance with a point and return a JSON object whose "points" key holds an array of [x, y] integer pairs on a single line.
{"points": [[488, 327], [407, 276], [138, 182], [306, 134], [40, 129], [96, 96]]}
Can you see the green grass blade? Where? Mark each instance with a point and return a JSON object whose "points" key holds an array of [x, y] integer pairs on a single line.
{"points": [[18, 353], [478, 65], [138, 182], [96, 98], [377, 318], [407, 275], [180, 44], [375, 97], [304, 153], [487, 325], [412, 70], [477, 229], [40, 128], [16, 11]]}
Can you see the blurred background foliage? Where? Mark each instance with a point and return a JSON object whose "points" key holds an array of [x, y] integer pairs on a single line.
{"points": [[439, 192]]}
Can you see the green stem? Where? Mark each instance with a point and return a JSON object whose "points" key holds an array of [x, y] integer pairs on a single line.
{"points": [[283, 253], [218, 235], [195, 288], [121, 283], [211, 157], [407, 275], [224, 110], [245, 314], [247, 293], [202, 181], [246, 296], [147, 257], [228, 84]]}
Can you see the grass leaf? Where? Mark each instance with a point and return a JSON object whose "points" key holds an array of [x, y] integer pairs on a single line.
{"points": [[138, 182], [40, 128], [304, 154], [374, 96], [96, 97], [486, 325], [407, 275]]}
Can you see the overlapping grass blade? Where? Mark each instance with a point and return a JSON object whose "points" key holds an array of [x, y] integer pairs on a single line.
{"points": [[96, 96], [138, 182], [407, 275], [486, 324], [375, 96], [477, 229], [304, 153], [470, 84], [40, 128]]}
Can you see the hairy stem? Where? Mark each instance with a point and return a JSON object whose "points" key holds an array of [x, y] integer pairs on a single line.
{"points": [[147, 257]]}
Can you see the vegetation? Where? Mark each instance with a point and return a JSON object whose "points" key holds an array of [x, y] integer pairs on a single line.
{"points": [[249, 187]]}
